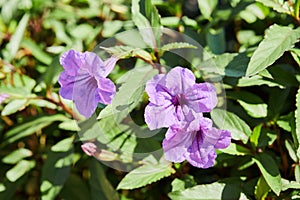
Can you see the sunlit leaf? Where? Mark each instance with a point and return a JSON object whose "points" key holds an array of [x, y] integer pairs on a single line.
{"points": [[146, 174], [277, 40], [270, 171]]}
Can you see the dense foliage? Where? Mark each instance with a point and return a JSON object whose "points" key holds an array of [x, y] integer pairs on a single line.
{"points": [[248, 49]]}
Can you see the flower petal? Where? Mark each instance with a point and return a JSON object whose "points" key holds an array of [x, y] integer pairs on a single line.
{"points": [[158, 116], [71, 62], [106, 90], [176, 143], [84, 95], [157, 92], [109, 65], [201, 153], [67, 84], [224, 139], [179, 80], [202, 97]]}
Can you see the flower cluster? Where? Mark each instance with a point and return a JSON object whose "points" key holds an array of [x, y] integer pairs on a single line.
{"points": [[178, 102], [84, 80]]}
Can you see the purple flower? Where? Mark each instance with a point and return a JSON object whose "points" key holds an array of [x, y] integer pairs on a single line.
{"points": [[3, 97], [84, 80], [196, 144], [176, 98]]}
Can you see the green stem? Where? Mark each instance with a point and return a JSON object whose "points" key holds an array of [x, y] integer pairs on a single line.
{"points": [[297, 7]]}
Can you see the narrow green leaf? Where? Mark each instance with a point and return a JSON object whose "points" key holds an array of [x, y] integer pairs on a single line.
{"points": [[19, 170], [261, 189], [277, 40], [16, 156], [14, 43], [286, 184], [297, 122], [14, 106], [143, 24], [100, 186], [270, 171], [36, 51], [207, 7], [145, 175], [297, 173], [175, 45], [229, 121], [30, 127], [255, 135], [63, 145], [291, 149], [127, 51]]}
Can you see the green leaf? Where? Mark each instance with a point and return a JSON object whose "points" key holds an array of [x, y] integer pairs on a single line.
{"points": [[228, 64], [255, 135], [129, 93], [143, 24], [19, 170], [14, 106], [291, 149], [146, 174], [252, 103], [230, 189], [297, 173], [177, 185], [100, 186], [36, 51], [56, 170], [30, 127], [279, 6], [216, 40], [207, 7], [16, 156], [297, 122], [237, 150], [270, 171], [175, 45], [286, 184], [261, 189], [277, 40], [229, 121], [296, 54], [63, 145], [14, 43], [127, 51]]}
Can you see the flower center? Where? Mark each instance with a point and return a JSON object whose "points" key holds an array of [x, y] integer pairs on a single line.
{"points": [[178, 100]]}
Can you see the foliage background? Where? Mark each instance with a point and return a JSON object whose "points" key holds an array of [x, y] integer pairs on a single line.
{"points": [[258, 61]]}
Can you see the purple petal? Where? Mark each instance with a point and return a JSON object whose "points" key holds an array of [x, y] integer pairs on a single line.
{"points": [[224, 139], [84, 94], [71, 61], [201, 153], [109, 65], [179, 80], [158, 116], [106, 90], [202, 97], [176, 143], [3, 97], [157, 92], [67, 85]]}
